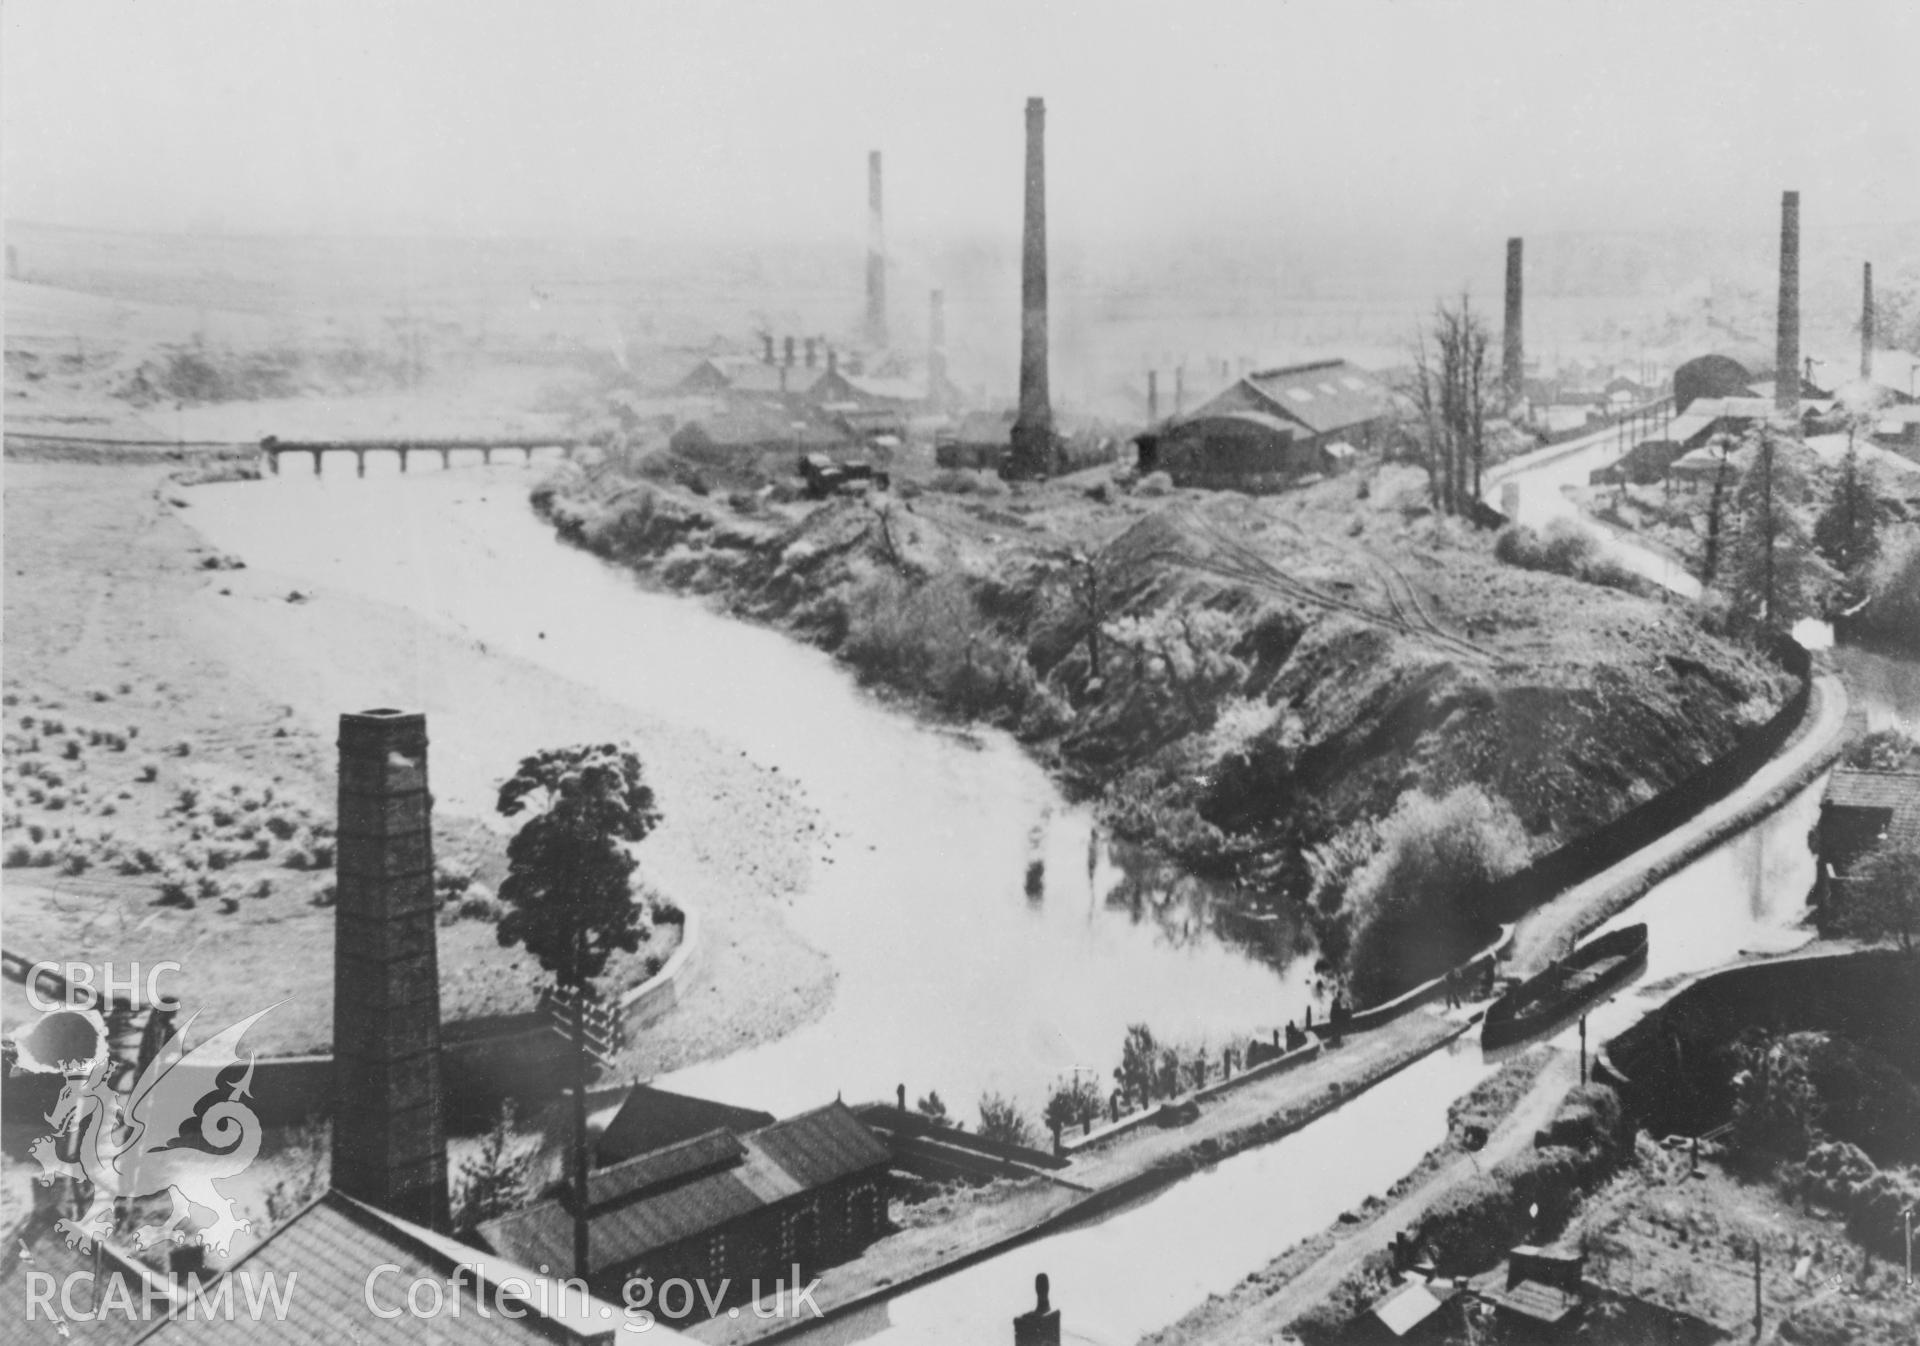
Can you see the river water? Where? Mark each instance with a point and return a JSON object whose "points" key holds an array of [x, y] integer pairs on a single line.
{"points": [[961, 967], [946, 961]]}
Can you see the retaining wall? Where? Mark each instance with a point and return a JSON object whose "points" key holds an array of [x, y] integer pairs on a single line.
{"points": [[1607, 845], [1667, 1065]]}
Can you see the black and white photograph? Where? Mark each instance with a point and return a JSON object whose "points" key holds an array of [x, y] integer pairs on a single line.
{"points": [[1013, 673]]}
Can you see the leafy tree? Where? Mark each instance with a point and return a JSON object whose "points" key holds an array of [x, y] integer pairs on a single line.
{"points": [[1002, 1120], [1881, 897], [496, 1180], [1848, 529], [1882, 750], [1775, 577], [569, 891], [1073, 1102], [934, 1108], [1418, 898], [1135, 1073], [1716, 515]]}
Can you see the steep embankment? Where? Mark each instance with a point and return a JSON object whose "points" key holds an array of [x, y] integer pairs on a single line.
{"points": [[1240, 681]]}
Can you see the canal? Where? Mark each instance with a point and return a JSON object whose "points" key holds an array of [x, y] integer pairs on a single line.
{"points": [[946, 958]]}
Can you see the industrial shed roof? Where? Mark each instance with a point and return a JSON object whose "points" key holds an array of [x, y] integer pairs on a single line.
{"points": [[336, 1243], [1326, 396], [651, 1119], [1897, 792], [776, 1162]]}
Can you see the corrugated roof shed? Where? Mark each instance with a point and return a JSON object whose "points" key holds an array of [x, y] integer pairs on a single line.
{"points": [[1326, 396]]}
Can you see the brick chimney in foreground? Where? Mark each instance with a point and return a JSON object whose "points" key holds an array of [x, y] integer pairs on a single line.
{"points": [[1786, 354], [389, 1138]]}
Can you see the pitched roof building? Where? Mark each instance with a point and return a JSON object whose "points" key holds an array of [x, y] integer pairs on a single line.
{"points": [[345, 1270], [1327, 400], [651, 1119], [810, 1190]]}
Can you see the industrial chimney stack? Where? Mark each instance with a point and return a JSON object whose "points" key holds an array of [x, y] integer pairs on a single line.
{"points": [[389, 1139], [876, 259], [1513, 345], [1866, 321], [1786, 355], [1033, 438]]}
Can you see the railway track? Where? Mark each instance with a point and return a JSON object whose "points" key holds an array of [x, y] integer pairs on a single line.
{"points": [[1406, 613]]}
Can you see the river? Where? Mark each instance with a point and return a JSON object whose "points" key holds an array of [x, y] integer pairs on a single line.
{"points": [[961, 966], [945, 960]]}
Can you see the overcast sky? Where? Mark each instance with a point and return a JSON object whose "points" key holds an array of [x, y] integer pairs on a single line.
{"points": [[715, 119]]}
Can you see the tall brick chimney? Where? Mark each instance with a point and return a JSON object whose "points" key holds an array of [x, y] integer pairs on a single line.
{"points": [[1513, 344], [937, 348], [389, 1138], [1786, 352], [1153, 397], [1866, 320], [1033, 438], [876, 258]]}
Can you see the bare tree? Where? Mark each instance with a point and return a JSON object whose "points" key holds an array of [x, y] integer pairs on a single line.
{"points": [[1452, 379]]}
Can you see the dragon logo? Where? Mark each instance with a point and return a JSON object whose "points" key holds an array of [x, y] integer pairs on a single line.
{"points": [[181, 1128]]}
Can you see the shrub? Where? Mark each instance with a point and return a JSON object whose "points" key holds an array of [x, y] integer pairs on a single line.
{"points": [[667, 913], [18, 855], [297, 857], [176, 889], [1154, 484], [325, 894], [480, 905], [71, 750], [1882, 750], [1418, 902], [1833, 1171], [149, 771], [1002, 1120], [261, 888]]}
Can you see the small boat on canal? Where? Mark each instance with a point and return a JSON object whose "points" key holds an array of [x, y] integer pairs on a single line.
{"points": [[1583, 976]]}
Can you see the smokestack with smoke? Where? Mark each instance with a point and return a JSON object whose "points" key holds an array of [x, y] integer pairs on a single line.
{"points": [[1033, 438], [876, 259], [1866, 321], [1786, 395], [1513, 346]]}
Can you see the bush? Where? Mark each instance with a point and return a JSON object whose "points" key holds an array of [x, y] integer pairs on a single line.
{"points": [[1882, 750], [1002, 1120], [19, 855], [1565, 549], [1418, 903]]}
